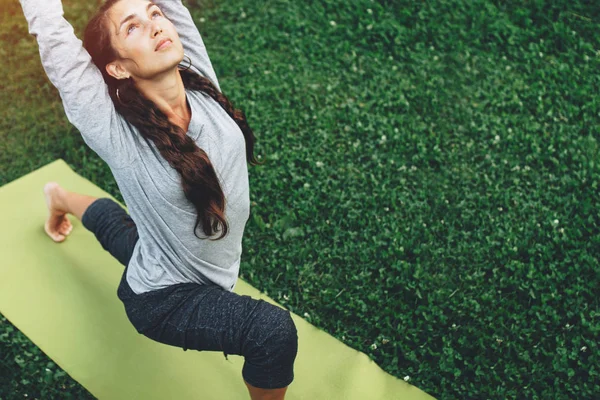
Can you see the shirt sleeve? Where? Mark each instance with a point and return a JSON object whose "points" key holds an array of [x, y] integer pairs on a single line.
{"points": [[191, 40], [80, 84]]}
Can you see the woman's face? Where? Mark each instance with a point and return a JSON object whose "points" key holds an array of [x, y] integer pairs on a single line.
{"points": [[137, 29]]}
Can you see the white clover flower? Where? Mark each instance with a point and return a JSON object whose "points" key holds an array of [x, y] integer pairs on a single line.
{"points": [[369, 27], [369, 11], [202, 19], [373, 346], [285, 296], [385, 341], [332, 23], [555, 222], [406, 378], [320, 164], [306, 315], [306, 185], [584, 348]]}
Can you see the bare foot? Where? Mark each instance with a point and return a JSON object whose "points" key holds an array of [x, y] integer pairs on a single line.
{"points": [[57, 225]]}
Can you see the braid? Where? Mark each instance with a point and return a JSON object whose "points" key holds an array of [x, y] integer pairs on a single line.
{"points": [[198, 177], [194, 81]]}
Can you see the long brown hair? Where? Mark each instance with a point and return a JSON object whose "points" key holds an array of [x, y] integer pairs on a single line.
{"points": [[199, 180]]}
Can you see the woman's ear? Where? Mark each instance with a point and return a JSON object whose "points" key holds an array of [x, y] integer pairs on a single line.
{"points": [[115, 70]]}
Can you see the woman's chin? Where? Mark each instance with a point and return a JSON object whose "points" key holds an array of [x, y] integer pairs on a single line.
{"points": [[165, 67]]}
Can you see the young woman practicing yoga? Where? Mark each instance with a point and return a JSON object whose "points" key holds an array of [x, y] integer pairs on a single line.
{"points": [[178, 151]]}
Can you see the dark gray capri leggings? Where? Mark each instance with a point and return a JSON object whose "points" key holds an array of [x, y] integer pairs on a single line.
{"points": [[200, 317]]}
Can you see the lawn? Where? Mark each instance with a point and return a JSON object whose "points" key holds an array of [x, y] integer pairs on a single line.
{"points": [[430, 195]]}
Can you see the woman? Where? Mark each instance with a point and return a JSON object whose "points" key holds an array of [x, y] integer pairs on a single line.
{"points": [[178, 152]]}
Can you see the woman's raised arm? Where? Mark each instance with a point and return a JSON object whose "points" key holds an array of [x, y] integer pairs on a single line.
{"points": [[190, 38], [82, 89]]}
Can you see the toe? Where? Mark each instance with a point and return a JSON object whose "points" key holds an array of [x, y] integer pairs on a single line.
{"points": [[65, 228], [55, 235]]}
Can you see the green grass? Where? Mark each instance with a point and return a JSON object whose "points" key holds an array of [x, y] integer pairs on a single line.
{"points": [[430, 195]]}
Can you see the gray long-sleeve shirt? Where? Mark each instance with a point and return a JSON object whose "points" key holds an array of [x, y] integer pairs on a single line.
{"points": [[167, 251]]}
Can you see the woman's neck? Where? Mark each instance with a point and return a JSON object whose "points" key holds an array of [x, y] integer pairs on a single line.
{"points": [[168, 93]]}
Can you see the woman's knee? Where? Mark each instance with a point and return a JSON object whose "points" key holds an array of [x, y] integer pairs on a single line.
{"points": [[288, 332], [281, 338], [269, 362]]}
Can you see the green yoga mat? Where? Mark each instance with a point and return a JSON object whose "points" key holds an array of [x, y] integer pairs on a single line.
{"points": [[62, 296]]}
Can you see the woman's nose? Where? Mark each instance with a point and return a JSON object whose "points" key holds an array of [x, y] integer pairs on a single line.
{"points": [[156, 29]]}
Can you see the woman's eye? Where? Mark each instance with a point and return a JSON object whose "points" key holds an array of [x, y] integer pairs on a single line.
{"points": [[156, 13], [129, 29]]}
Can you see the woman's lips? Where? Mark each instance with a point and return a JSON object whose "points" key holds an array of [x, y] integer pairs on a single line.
{"points": [[163, 44]]}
